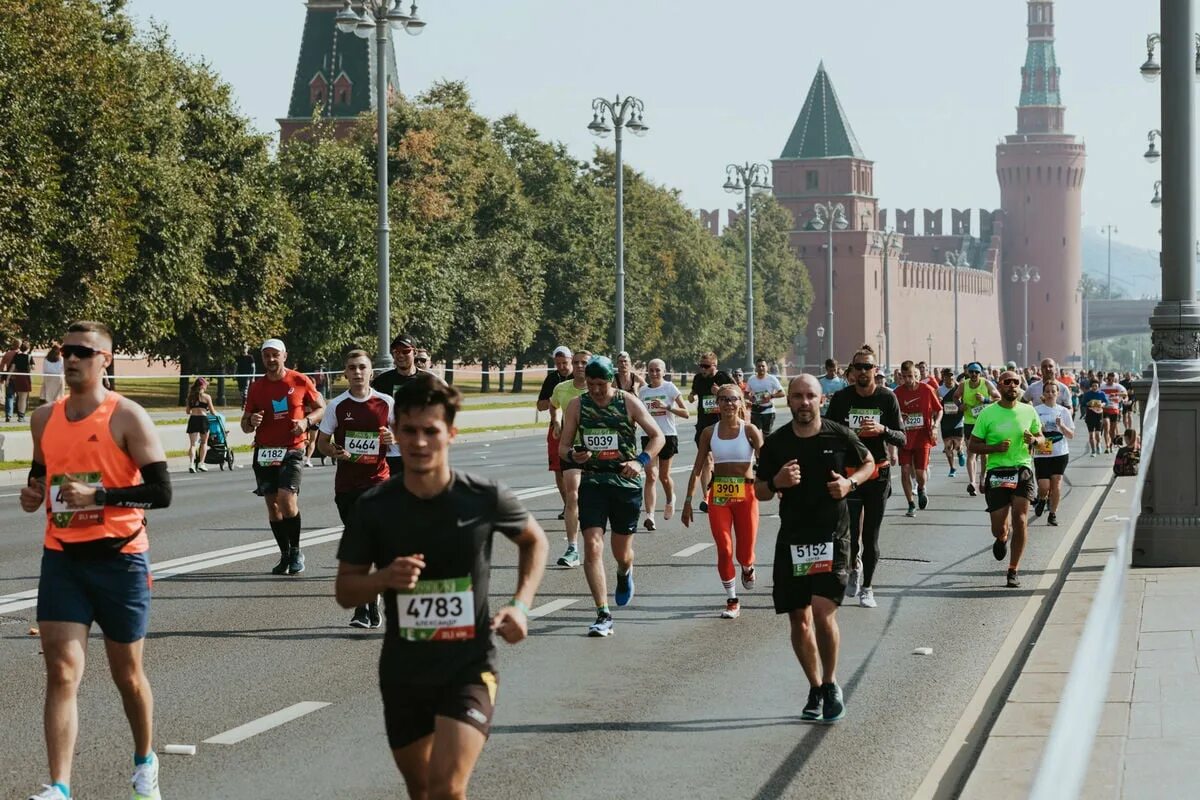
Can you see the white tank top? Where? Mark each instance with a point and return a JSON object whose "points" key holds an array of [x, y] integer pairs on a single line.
{"points": [[738, 449]]}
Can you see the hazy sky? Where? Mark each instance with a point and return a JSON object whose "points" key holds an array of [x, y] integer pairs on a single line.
{"points": [[929, 86]]}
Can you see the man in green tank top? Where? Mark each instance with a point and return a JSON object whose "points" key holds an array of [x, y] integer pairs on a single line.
{"points": [[973, 395], [598, 433]]}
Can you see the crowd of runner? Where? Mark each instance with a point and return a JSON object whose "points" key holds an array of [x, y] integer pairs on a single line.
{"points": [[415, 554]]}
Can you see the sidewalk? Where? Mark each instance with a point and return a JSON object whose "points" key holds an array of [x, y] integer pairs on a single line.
{"points": [[1148, 743]]}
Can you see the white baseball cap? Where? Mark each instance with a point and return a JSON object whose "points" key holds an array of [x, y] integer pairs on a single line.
{"points": [[274, 344], [562, 350]]}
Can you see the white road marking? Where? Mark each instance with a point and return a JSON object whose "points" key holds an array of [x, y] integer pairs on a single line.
{"points": [[551, 607], [255, 727], [691, 551]]}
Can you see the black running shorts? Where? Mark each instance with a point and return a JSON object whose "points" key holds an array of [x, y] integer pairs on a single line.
{"points": [[1001, 485], [1046, 468], [286, 475], [669, 450], [409, 710]]}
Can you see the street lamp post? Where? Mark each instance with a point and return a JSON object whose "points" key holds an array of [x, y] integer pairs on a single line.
{"points": [[1109, 230], [748, 177], [929, 344], [829, 216], [956, 259], [1084, 289], [1024, 274], [820, 343], [974, 352], [379, 17], [625, 113], [884, 241]]}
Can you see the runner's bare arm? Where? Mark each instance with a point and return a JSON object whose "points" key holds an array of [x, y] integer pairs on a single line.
{"points": [[679, 409], [702, 448], [327, 447], [33, 494], [570, 425], [511, 621], [134, 432], [641, 416]]}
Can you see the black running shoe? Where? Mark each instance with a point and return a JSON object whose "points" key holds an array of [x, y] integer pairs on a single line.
{"points": [[1052, 519], [835, 708], [295, 561], [971, 489], [1000, 549], [361, 618], [282, 567], [562, 514], [1039, 506], [922, 500], [374, 614], [1013, 581], [703, 507], [812, 709]]}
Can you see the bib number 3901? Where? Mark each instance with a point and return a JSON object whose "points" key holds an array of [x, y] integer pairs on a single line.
{"points": [[438, 611], [812, 559]]}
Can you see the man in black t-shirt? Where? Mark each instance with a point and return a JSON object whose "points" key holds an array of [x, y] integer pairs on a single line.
{"points": [[404, 348], [704, 394], [428, 534], [807, 463], [561, 372]]}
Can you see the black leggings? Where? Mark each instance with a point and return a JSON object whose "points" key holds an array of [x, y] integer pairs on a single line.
{"points": [[866, 515]]}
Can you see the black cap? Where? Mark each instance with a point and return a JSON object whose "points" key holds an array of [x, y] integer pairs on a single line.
{"points": [[403, 340]]}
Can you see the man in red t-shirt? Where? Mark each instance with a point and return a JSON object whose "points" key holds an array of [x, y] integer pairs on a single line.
{"points": [[356, 433], [281, 407], [920, 413]]}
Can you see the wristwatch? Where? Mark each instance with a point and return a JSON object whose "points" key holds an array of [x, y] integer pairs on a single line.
{"points": [[101, 496], [853, 483]]}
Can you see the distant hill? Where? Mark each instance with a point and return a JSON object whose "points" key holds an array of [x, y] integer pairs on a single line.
{"points": [[1135, 271]]}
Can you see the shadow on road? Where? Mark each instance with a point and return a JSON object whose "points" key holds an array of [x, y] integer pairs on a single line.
{"points": [[680, 726]]}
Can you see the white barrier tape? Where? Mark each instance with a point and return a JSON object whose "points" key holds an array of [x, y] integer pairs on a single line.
{"points": [[1068, 750]]}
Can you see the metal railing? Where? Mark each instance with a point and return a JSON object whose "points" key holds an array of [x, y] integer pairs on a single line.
{"points": [[1068, 750]]}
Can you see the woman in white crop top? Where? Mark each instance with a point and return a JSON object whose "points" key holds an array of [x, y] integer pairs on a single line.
{"points": [[732, 506]]}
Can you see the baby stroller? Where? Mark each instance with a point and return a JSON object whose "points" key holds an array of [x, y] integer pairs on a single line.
{"points": [[219, 451]]}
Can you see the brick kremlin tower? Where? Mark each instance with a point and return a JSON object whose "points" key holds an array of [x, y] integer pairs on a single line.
{"points": [[1041, 172], [334, 72]]}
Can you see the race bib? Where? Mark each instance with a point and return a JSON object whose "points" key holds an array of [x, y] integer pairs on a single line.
{"points": [[602, 443], [811, 559], [270, 456], [1003, 478], [63, 515], [657, 403], [1095, 405], [726, 490], [437, 611], [914, 421], [763, 398], [708, 404], [950, 409], [363, 446], [1045, 448], [859, 415]]}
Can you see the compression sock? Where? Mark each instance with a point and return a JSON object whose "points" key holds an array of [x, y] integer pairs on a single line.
{"points": [[291, 527], [140, 760], [280, 537], [602, 609], [730, 591], [62, 787]]}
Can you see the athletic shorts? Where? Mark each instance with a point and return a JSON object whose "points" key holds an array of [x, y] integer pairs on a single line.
{"points": [[954, 430], [918, 457], [791, 592], [197, 424], [345, 502], [552, 451], [1001, 497], [113, 592], [702, 426], [602, 504], [409, 710], [764, 422], [1049, 466], [670, 448], [284, 476], [1094, 422]]}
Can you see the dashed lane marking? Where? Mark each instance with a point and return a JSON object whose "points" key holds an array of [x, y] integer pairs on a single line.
{"points": [[551, 607], [243, 732], [691, 551]]}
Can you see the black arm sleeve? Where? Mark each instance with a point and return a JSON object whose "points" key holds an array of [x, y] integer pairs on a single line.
{"points": [[154, 491], [839, 409], [890, 418]]}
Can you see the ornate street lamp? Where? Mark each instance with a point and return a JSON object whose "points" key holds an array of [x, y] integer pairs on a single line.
{"points": [[957, 259], [1023, 275], [745, 178], [829, 216]]}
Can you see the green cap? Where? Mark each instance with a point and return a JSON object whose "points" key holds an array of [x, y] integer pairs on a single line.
{"points": [[600, 367]]}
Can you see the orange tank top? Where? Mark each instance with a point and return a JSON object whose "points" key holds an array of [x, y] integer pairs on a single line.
{"points": [[84, 451]]}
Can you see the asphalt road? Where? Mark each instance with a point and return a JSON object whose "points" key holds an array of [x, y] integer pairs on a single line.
{"points": [[678, 703]]}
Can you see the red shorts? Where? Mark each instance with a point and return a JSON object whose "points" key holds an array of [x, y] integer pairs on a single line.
{"points": [[552, 450], [918, 456]]}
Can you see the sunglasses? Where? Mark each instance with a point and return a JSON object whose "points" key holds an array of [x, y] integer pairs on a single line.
{"points": [[1010, 382], [82, 352], [725, 398], [863, 366], [705, 366], [422, 360]]}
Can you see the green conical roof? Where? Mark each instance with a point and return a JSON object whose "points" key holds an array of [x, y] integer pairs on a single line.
{"points": [[821, 130], [1040, 73], [330, 54]]}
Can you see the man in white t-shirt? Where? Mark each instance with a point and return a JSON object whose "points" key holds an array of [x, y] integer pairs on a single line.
{"points": [[1049, 371], [664, 402], [1116, 394], [764, 389]]}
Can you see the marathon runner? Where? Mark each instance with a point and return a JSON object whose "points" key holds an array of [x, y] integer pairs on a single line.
{"points": [[703, 394], [805, 463], [952, 422], [831, 382], [1049, 375], [1050, 458], [356, 432], [664, 401], [873, 414], [926, 376], [598, 434], [1093, 402], [972, 395], [281, 407], [627, 380], [97, 464], [732, 506], [1006, 432], [404, 351], [764, 389], [920, 414], [560, 373], [429, 538], [560, 398], [1116, 394]]}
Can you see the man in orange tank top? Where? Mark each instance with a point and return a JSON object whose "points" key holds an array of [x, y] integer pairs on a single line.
{"points": [[97, 464]]}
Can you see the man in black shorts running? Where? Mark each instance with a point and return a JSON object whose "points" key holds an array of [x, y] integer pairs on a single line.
{"points": [[806, 464], [705, 383], [429, 537]]}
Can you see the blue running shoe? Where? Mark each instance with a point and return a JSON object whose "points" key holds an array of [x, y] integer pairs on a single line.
{"points": [[835, 708], [962, 460], [603, 626], [953, 472], [624, 591]]}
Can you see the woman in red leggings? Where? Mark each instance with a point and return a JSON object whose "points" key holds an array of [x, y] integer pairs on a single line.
{"points": [[732, 507]]}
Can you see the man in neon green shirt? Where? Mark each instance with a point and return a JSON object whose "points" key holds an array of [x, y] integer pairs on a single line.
{"points": [[1005, 432]]}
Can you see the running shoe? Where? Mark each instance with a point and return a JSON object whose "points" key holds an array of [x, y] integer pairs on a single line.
{"points": [[812, 709], [971, 489], [835, 707], [953, 472], [200, 467], [308, 462], [922, 500], [1013, 582], [649, 523], [962, 460], [1092, 454], [703, 507], [375, 615], [282, 567], [866, 598], [669, 508], [912, 510], [603, 626], [48, 792], [853, 583], [295, 562], [145, 780], [733, 609], [999, 549], [1052, 519], [1039, 506], [191, 468], [562, 514], [748, 578], [624, 591], [569, 558], [361, 618]]}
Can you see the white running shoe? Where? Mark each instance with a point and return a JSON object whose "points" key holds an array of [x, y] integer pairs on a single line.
{"points": [[748, 577], [145, 780], [853, 583], [201, 468], [48, 793], [866, 598], [733, 609], [308, 462]]}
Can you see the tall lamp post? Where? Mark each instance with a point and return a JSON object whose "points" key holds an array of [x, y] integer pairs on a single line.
{"points": [[379, 17], [1084, 289], [1109, 230], [929, 344], [956, 259], [746, 178], [625, 113], [821, 343], [974, 352], [884, 241], [829, 216], [1023, 275]]}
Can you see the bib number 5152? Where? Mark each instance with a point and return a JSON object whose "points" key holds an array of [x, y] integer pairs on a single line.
{"points": [[812, 559]]}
